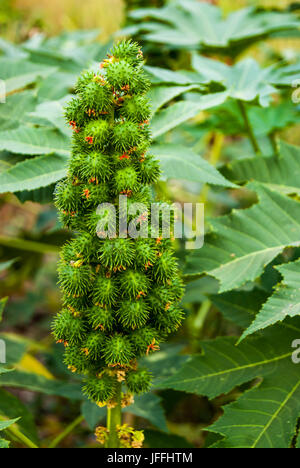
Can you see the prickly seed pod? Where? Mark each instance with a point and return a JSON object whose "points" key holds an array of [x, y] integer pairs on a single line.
{"points": [[120, 294], [133, 313], [68, 328], [100, 389], [118, 350], [101, 318], [139, 381]]}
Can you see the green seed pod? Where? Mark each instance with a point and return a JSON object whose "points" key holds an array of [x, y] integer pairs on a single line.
{"points": [[100, 389], [121, 295], [139, 381], [133, 314], [67, 327], [100, 318], [118, 350]]}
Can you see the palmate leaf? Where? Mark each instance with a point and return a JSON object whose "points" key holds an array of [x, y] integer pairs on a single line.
{"points": [[176, 114], [179, 162], [160, 95], [33, 173], [19, 73], [188, 23], [245, 81], [284, 302], [264, 121], [243, 243], [38, 383], [223, 365], [280, 173], [13, 113], [265, 416], [240, 307], [31, 141]]}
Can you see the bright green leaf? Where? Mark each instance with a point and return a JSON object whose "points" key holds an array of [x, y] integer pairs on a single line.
{"points": [[244, 242]]}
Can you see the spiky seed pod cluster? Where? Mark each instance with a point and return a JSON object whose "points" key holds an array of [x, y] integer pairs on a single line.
{"points": [[120, 295]]}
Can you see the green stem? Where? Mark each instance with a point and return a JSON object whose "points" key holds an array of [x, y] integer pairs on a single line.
{"points": [[66, 432], [21, 437], [114, 419], [274, 143], [249, 128]]}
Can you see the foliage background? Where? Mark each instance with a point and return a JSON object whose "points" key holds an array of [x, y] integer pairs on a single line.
{"points": [[205, 149]]}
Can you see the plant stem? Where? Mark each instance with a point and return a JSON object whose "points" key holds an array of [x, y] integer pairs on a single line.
{"points": [[215, 155], [21, 437], [114, 419], [274, 143], [66, 432], [249, 128]]}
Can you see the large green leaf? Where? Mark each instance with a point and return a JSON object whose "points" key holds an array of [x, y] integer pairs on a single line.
{"points": [[245, 241], [264, 417], [52, 112], [224, 365], [188, 23], [179, 162], [245, 81], [240, 307], [19, 73], [27, 140], [284, 302], [33, 173], [38, 383], [178, 113], [5, 424], [160, 95], [13, 113], [281, 173]]}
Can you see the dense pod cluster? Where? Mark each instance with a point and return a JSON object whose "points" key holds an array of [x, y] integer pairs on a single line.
{"points": [[120, 294]]}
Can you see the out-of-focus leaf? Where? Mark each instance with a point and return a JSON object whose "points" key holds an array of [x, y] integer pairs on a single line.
{"points": [[19, 73], [5, 424], [6, 265], [280, 173], [11, 407], [52, 112], [178, 113], [13, 113], [165, 363], [157, 439], [30, 364], [4, 443], [190, 24], [179, 162], [245, 81], [160, 95], [33, 173], [33, 141], [148, 406], [38, 383]]}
